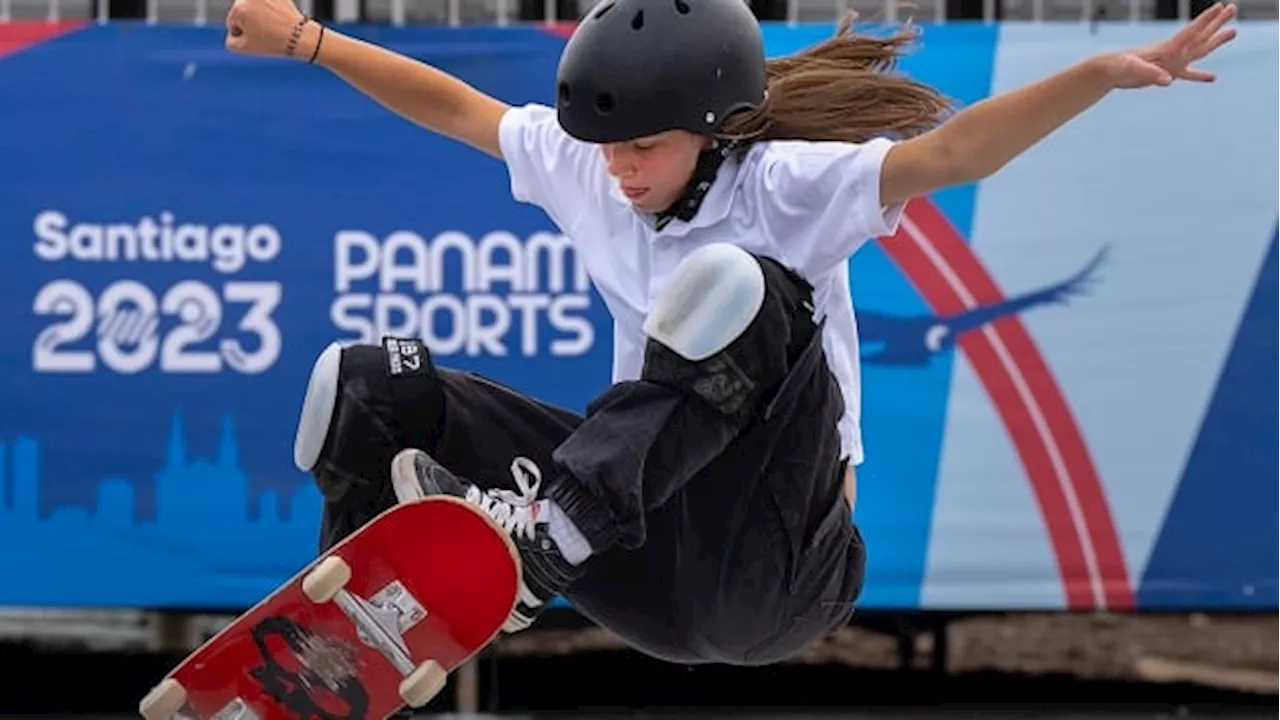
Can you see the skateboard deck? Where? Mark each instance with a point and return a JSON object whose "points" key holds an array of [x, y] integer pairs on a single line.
{"points": [[428, 583]]}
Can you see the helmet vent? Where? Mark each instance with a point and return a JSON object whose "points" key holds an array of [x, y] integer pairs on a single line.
{"points": [[637, 22], [604, 103], [682, 7], [604, 8]]}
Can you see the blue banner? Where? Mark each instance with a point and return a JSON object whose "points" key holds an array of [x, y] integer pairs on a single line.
{"points": [[188, 229]]}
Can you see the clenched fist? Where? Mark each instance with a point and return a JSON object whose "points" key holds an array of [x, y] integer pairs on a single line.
{"points": [[270, 27]]}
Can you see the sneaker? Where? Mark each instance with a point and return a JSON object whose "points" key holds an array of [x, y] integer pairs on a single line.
{"points": [[415, 475]]}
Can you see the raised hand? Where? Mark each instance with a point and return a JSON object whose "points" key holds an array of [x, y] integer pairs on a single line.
{"points": [[269, 27], [1163, 63]]}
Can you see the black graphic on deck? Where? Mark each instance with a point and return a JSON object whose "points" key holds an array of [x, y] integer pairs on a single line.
{"points": [[311, 676]]}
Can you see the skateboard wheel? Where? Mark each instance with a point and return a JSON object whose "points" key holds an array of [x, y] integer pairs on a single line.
{"points": [[423, 684], [323, 583], [164, 701]]}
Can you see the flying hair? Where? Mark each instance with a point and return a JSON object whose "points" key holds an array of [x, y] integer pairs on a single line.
{"points": [[843, 89]]}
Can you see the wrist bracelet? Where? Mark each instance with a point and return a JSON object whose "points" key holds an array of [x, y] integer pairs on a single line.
{"points": [[294, 36], [319, 39]]}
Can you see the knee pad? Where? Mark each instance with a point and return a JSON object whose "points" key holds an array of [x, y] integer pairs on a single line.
{"points": [[317, 408], [710, 300]]}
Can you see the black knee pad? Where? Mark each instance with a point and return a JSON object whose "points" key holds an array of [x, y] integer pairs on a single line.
{"points": [[364, 404], [735, 368]]}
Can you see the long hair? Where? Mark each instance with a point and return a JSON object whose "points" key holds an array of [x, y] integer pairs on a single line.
{"points": [[843, 89]]}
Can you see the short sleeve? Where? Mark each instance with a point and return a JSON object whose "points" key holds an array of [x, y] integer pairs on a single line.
{"points": [[547, 166], [821, 200]]}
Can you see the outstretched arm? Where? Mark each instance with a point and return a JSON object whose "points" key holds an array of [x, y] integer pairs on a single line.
{"points": [[985, 137], [414, 90]]}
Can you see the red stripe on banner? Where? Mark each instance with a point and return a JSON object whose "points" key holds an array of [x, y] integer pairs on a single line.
{"points": [[561, 29], [1036, 415], [18, 35], [1110, 575], [933, 286]]}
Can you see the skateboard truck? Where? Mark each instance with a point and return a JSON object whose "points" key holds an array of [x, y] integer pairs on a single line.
{"points": [[380, 623], [236, 710], [168, 701]]}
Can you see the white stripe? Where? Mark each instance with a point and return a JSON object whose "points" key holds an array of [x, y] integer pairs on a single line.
{"points": [[1028, 400]]}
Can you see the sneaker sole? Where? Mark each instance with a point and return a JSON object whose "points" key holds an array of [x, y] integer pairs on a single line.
{"points": [[404, 478]]}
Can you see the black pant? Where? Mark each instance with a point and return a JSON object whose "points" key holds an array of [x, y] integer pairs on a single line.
{"points": [[713, 490]]}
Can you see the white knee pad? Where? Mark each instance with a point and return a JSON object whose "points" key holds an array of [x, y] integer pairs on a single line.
{"points": [[709, 301], [317, 408]]}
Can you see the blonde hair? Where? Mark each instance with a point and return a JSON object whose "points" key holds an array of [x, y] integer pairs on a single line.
{"points": [[843, 89]]}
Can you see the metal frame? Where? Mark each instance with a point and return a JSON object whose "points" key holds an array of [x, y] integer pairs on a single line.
{"points": [[891, 11]]}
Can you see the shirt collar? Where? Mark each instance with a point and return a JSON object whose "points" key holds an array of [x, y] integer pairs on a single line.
{"points": [[715, 204]]}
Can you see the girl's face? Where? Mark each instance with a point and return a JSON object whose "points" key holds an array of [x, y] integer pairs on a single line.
{"points": [[654, 170]]}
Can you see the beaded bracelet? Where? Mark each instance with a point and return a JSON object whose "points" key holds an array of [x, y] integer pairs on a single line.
{"points": [[294, 36]]}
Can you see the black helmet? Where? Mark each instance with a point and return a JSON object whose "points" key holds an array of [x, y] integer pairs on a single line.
{"points": [[640, 67]]}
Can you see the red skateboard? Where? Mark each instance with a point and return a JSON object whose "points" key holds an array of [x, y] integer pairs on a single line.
{"points": [[374, 624]]}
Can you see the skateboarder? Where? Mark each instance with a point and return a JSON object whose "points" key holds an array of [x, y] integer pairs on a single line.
{"points": [[701, 509]]}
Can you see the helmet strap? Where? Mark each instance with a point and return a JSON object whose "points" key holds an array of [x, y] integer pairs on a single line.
{"points": [[704, 174]]}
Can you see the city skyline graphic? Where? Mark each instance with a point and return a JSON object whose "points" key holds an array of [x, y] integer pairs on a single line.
{"points": [[209, 537]]}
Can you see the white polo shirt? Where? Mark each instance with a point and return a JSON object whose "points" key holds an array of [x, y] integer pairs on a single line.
{"points": [[808, 205]]}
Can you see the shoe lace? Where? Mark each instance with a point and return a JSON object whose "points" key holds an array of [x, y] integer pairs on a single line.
{"points": [[515, 512]]}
